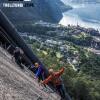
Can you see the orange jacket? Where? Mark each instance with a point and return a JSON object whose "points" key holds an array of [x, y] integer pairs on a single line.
{"points": [[55, 78]]}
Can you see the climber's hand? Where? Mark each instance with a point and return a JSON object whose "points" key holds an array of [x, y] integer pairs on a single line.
{"points": [[35, 77], [41, 82]]}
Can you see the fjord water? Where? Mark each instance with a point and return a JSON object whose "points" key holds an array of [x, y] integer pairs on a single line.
{"points": [[84, 14]]}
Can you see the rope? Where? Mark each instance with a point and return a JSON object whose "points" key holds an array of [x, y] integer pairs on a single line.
{"points": [[4, 34]]}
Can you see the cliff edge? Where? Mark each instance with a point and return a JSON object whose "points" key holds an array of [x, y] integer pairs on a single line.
{"points": [[16, 84]]}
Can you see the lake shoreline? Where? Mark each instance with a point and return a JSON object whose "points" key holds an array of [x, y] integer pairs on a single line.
{"points": [[76, 17]]}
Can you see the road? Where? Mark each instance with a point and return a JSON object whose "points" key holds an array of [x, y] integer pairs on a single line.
{"points": [[94, 51]]}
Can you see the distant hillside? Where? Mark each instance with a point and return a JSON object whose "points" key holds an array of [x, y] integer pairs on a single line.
{"points": [[46, 10]]}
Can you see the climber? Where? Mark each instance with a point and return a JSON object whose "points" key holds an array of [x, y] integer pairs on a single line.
{"points": [[18, 56], [38, 70], [55, 79]]}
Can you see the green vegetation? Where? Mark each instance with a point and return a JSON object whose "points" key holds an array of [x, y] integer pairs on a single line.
{"points": [[82, 36], [83, 84]]}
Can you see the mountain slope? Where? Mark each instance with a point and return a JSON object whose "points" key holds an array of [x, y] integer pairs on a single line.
{"points": [[46, 10]]}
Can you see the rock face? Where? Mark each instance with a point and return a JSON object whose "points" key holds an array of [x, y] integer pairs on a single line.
{"points": [[16, 84], [46, 10]]}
